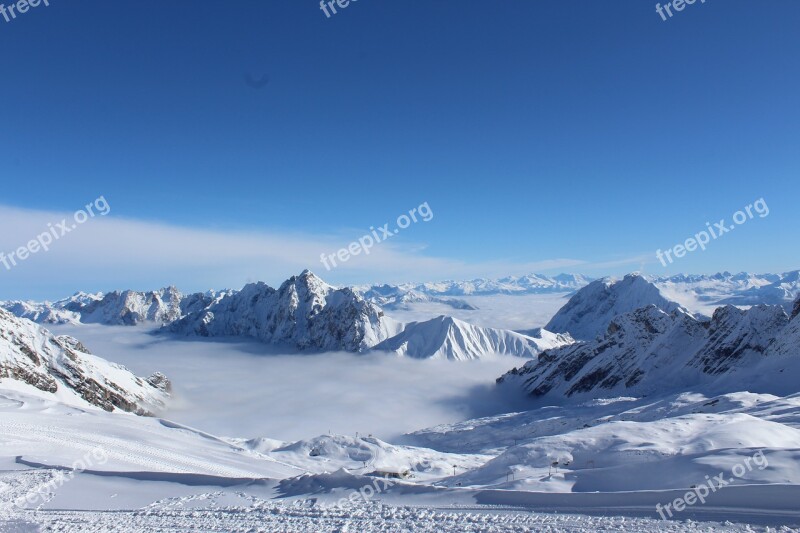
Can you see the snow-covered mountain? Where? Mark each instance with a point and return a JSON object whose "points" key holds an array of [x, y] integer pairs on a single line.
{"points": [[393, 297], [588, 313], [304, 313], [119, 308], [530, 284], [128, 308], [652, 351], [788, 343], [704, 293], [62, 367], [780, 292], [449, 338], [66, 311], [698, 293]]}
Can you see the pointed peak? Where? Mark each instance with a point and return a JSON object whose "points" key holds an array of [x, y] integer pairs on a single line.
{"points": [[307, 276], [635, 277]]}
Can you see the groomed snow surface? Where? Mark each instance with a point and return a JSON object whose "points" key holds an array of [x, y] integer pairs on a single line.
{"points": [[361, 518]]}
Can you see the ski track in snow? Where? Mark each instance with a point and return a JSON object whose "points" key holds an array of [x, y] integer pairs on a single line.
{"points": [[364, 518]]}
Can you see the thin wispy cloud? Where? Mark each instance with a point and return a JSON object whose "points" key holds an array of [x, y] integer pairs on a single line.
{"points": [[112, 252]]}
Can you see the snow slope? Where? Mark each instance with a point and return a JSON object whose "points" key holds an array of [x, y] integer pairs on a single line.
{"points": [[160, 476], [62, 368], [449, 338], [40, 430], [625, 444]]}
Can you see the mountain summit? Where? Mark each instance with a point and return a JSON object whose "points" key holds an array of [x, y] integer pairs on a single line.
{"points": [[588, 313], [651, 351], [304, 313]]}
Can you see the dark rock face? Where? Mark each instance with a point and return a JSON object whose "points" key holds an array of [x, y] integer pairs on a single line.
{"points": [[734, 335]]}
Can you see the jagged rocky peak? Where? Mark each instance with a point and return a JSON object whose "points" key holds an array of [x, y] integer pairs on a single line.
{"points": [[651, 351], [303, 313], [788, 343], [634, 344], [132, 307], [63, 367], [588, 313]]}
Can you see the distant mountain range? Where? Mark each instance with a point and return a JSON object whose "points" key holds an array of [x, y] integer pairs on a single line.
{"points": [[699, 293], [393, 297], [125, 308], [530, 284], [305, 313]]}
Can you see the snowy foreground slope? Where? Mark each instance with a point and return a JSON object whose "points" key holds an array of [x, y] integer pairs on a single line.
{"points": [[148, 474]]}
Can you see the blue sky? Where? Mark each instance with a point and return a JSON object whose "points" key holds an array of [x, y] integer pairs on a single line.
{"points": [[556, 136]]}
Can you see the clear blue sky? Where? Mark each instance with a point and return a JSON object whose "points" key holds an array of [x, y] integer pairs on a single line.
{"points": [[535, 130]]}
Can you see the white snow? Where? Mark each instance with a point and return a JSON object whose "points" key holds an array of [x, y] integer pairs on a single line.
{"points": [[258, 440], [449, 338]]}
